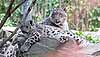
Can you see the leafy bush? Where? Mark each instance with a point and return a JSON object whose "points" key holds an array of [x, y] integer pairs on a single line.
{"points": [[94, 15], [88, 37]]}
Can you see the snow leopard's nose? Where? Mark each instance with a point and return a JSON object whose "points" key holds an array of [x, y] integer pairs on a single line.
{"points": [[57, 21]]}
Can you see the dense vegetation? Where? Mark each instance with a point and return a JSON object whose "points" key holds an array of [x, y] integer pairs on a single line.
{"points": [[82, 15]]}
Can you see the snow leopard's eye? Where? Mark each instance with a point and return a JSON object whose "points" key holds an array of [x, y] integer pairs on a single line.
{"points": [[31, 22], [26, 26]]}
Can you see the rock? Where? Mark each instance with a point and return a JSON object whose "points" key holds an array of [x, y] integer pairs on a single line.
{"points": [[93, 50], [42, 47], [69, 49], [1, 55], [52, 48], [94, 34], [3, 34], [9, 28]]}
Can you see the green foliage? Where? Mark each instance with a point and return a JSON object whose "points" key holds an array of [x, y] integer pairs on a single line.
{"points": [[47, 6], [52, 4], [93, 15], [12, 21], [88, 37], [80, 33], [36, 18], [44, 7]]}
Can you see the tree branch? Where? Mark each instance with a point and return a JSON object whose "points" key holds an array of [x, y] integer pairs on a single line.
{"points": [[29, 9], [9, 12], [10, 7], [18, 6]]}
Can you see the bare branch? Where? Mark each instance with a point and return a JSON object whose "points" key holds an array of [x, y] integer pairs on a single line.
{"points": [[7, 14], [18, 6], [29, 9], [10, 7]]}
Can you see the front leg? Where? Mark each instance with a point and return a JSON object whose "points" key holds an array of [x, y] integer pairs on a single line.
{"points": [[30, 41]]}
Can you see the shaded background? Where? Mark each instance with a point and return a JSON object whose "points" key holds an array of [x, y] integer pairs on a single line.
{"points": [[82, 14]]}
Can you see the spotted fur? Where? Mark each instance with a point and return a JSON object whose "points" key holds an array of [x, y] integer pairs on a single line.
{"points": [[32, 33], [9, 50], [51, 32], [57, 18], [30, 41], [37, 32]]}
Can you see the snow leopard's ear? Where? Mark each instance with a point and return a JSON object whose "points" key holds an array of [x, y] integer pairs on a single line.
{"points": [[57, 11], [31, 22], [64, 9]]}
